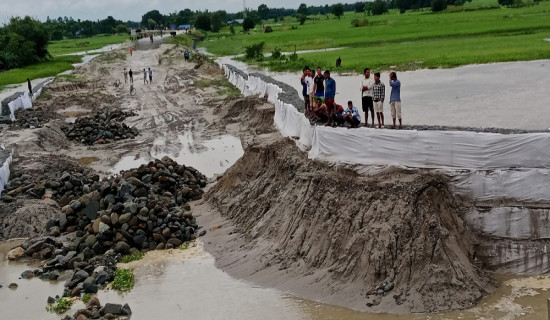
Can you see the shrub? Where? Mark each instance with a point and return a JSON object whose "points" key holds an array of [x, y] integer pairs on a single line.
{"points": [[133, 257], [439, 5], [359, 23], [124, 280], [255, 51], [268, 29], [232, 29], [60, 306], [276, 53], [302, 18], [86, 297]]}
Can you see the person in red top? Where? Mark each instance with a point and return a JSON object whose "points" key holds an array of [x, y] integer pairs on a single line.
{"points": [[337, 115]]}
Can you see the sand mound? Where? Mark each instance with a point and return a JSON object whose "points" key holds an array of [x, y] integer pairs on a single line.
{"points": [[390, 243], [29, 220]]}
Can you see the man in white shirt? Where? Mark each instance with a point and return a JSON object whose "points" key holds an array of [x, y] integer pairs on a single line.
{"points": [[366, 94], [307, 85]]}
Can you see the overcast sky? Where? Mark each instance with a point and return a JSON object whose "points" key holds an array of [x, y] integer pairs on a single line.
{"points": [[130, 9]]}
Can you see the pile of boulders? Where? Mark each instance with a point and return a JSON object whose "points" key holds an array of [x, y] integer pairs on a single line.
{"points": [[71, 184], [94, 310], [32, 118], [100, 221], [105, 127], [144, 208]]}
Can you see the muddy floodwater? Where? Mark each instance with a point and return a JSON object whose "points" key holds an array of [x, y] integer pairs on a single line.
{"points": [[211, 156], [176, 282]]}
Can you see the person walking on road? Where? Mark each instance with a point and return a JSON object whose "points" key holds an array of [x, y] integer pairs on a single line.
{"points": [[131, 74], [395, 99], [30, 87], [150, 76], [144, 76], [366, 96], [131, 52], [379, 93], [125, 76]]}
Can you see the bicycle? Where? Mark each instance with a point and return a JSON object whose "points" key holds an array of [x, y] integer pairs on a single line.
{"points": [[132, 90], [118, 84]]}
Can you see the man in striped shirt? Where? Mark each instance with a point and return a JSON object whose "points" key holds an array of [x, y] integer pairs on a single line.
{"points": [[378, 95]]}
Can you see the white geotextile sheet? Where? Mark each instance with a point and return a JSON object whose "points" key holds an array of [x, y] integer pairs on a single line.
{"points": [[526, 185], [519, 162], [431, 149], [511, 222], [22, 102], [4, 172]]}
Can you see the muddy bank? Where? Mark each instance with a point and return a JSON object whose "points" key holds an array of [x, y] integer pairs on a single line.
{"points": [[394, 242]]}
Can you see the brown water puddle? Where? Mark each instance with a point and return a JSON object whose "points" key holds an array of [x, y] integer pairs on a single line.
{"points": [[176, 282]]}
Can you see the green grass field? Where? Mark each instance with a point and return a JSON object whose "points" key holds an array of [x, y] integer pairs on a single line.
{"points": [[36, 71], [407, 41], [57, 48], [59, 62]]}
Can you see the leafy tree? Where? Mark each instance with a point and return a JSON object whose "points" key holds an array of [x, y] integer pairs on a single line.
{"points": [[232, 29], [302, 9], [263, 10], [248, 23], [359, 7], [153, 14], [439, 5], [121, 28], [379, 7], [506, 3], [151, 23], [338, 10], [302, 18], [203, 22], [216, 22], [23, 42]]}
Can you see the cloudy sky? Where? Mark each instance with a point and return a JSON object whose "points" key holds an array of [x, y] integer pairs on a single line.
{"points": [[130, 9]]}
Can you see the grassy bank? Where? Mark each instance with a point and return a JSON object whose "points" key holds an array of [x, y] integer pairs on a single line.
{"points": [[58, 63], [414, 39], [56, 48], [36, 71]]}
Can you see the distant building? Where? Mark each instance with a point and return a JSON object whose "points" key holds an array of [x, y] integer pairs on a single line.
{"points": [[239, 21]]}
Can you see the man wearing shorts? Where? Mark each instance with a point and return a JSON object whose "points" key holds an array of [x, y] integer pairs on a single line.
{"points": [[395, 99], [150, 76], [319, 85], [125, 76], [366, 96], [378, 95]]}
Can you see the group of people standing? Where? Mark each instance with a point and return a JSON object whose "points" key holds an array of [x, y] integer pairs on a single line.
{"points": [[130, 74], [319, 91]]}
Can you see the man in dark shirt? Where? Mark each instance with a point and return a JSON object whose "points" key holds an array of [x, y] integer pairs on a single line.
{"points": [[30, 87], [319, 85]]}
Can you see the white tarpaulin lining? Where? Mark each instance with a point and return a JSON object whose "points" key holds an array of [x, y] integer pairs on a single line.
{"points": [[4, 169], [409, 148], [23, 100]]}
